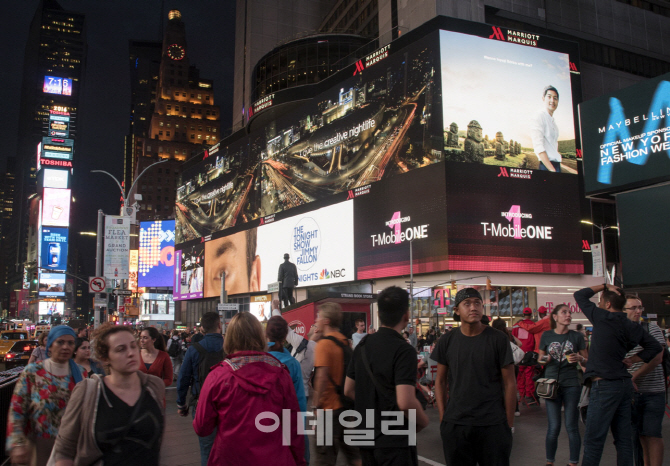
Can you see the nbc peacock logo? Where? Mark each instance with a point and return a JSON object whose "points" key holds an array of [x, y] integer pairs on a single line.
{"points": [[324, 275]]}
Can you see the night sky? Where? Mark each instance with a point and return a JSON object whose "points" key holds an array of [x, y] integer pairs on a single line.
{"points": [[104, 106]]}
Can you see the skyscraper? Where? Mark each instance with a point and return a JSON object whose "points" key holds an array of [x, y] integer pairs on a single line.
{"points": [[184, 121], [53, 75]]}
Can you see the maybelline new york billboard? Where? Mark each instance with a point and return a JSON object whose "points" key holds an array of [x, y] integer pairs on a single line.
{"points": [[626, 137]]}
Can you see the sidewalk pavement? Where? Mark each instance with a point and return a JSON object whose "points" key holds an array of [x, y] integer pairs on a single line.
{"points": [[181, 448]]}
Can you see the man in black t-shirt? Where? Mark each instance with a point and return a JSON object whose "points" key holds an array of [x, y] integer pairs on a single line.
{"points": [[382, 377], [475, 366]]}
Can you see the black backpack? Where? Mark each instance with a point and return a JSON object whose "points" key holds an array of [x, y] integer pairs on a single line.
{"points": [[175, 348], [208, 359], [347, 354]]}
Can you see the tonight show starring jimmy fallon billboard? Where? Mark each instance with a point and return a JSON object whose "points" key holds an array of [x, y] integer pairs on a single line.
{"points": [[422, 145]]}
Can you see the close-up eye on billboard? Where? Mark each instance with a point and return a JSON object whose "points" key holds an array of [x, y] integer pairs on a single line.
{"points": [[506, 104], [156, 253], [373, 125], [53, 248], [189, 272], [56, 207], [626, 137], [511, 220]]}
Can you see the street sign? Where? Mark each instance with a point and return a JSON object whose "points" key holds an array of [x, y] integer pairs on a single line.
{"points": [[652, 316], [96, 284], [117, 292], [227, 307], [273, 287], [121, 309], [100, 302]]}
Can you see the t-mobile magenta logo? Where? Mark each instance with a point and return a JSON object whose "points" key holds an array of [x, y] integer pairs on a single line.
{"points": [[398, 235], [515, 230]]}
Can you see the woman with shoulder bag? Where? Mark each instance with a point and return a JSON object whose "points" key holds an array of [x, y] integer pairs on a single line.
{"points": [[117, 419], [562, 350]]}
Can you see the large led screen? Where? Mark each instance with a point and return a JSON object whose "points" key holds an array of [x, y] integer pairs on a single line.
{"points": [[156, 263], [389, 216], [373, 125], [319, 243], [59, 124], [626, 137], [53, 248], [189, 272], [55, 85], [506, 104], [48, 308], [511, 220], [56, 207], [57, 148], [51, 284], [54, 178]]}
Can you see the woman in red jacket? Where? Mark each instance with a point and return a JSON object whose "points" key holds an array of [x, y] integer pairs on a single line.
{"points": [[153, 358], [249, 386]]}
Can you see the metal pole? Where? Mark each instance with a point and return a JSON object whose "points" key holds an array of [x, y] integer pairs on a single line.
{"points": [[97, 313], [223, 299], [602, 240], [411, 283]]}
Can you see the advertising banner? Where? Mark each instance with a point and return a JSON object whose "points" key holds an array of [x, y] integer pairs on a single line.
{"points": [[319, 243], [56, 207], [117, 247], [504, 223], [597, 253], [53, 248], [59, 124], [156, 253], [48, 308], [388, 217], [56, 85], [133, 267], [626, 137], [51, 284], [189, 270], [54, 178], [57, 148], [260, 307], [517, 124]]}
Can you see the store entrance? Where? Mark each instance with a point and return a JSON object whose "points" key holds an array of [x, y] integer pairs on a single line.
{"points": [[349, 322]]}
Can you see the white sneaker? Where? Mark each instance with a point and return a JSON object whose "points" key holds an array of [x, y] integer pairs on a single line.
{"points": [[517, 413]]}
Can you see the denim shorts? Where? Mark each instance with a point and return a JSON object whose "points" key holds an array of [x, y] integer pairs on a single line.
{"points": [[648, 412]]}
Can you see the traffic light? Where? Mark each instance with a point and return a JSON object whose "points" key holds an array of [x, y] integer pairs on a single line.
{"points": [[35, 278], [488, 284]]}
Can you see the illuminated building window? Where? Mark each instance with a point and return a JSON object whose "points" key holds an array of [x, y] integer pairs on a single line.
{"points": [[160, 123], [199, 128], [200, 96], [199, 136], [213, 130], [169, 124], [176, 126]]}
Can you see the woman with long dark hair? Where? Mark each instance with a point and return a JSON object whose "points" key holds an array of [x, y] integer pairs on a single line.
{"points": [[82, 356], [562, 350], [154, 359]]}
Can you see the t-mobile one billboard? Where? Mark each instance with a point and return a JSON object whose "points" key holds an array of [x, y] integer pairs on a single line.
{"points": [[510, 224], [626, 137], [388, 216]]}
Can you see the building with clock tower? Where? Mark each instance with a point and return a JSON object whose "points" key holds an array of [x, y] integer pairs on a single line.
{"points": [[184, 121]]}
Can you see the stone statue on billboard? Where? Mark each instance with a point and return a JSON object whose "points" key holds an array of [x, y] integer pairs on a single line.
{"points": [[452, 135], [511, 147], [518, 147], [474, 147], [500, 146]]}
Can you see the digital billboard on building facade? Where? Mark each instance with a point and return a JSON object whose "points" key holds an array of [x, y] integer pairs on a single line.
{"points": [[53, 248], [189, 270], [56, 207], [626, 137], [156, 253], [56, 85], [396, 138]]}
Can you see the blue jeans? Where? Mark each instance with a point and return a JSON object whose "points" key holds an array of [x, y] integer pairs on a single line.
{"points": [[568, 396], [609, 407], [205, 444]]}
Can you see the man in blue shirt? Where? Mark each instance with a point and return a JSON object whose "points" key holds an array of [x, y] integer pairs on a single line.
{"points": [[607, 372], [210, 323]]}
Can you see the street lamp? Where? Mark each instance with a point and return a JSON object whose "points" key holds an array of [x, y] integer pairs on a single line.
{"points": [[123, 195], [602, 229]]}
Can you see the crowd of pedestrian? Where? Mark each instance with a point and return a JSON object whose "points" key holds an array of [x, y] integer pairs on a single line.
{"points": [[100, 398]]}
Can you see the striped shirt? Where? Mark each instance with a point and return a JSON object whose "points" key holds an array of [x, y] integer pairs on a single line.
{"points": [[654, 381]]}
